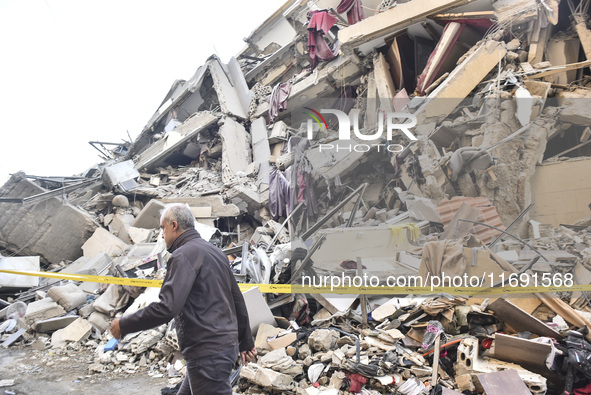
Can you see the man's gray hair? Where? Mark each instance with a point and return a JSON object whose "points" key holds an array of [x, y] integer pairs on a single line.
{"points": [[179, 212]]}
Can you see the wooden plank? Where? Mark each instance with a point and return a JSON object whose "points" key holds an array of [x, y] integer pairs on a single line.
{"points": [[520, 320], [502, 383], [531, 355]]}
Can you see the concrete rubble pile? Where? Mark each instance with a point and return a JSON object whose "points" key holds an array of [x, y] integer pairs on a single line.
{"points": [[487, 185]]}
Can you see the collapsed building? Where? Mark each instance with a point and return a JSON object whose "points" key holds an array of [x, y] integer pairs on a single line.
{"points": [[403, 140]]}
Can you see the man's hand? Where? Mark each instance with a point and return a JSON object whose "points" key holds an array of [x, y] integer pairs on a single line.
{"points": [[116, 329], [246, 356]]}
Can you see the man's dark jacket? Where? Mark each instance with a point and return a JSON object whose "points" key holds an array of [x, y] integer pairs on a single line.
{"points": [[200, 291]]}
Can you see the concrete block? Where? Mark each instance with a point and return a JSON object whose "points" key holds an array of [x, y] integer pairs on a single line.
{"points": [[247, 199], [86, 310], [278, 133], [53, 324], [104, 242], [323, 339], [96, 265], [68, 296], [108, 302], [265, 331], [139, 235], [76, 331], [122, 174], [267, 378], [42, 310], [119, 226], [240, 85], [218, 207], [236, 154], [21, 263], [99, 320], [149, 217], [52, 229]]}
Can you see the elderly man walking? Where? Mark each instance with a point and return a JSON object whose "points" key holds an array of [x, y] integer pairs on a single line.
{"points": [[200, 292]]}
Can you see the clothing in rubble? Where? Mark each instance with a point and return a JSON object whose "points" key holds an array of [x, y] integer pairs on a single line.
{"points": [[200, 292], [319, 25], [278, 194], [278, 100], [354, 10]]}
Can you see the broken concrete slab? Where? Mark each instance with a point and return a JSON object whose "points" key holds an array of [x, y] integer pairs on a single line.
{"points": [[461, 81], [76, 331], [176, 140], [575, 107], [139, 235], [318, 85], [41, 310], [98, 265], [119, 226], [519, 320], [21, 263], [532, 354], [261, 150], [53, 324], [247, 199], [258, 309], [111, 300], [149, 217], [391, 21], [52, 229], [102, 241], [266, 377], [236, 154], [226, 85], [264, 332]]}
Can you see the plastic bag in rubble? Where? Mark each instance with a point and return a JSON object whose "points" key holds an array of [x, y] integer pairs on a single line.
{"points": [[434, 328]]}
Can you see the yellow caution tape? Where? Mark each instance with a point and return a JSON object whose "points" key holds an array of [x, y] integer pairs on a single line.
{"points": [[300, 289]]}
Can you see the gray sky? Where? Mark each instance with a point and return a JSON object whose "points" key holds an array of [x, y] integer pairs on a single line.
{"points": [[72, 71]]}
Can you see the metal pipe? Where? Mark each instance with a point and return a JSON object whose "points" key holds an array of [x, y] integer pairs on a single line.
{"points": [[507, 233]]}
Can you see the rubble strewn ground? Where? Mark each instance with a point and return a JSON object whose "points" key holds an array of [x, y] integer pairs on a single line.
{"points": [[464, 165]]}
